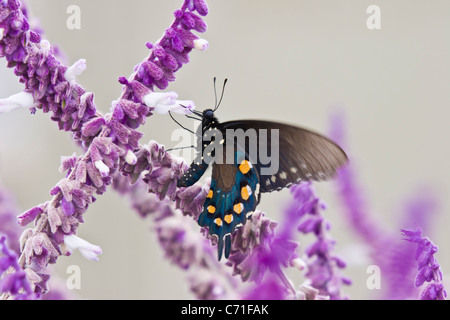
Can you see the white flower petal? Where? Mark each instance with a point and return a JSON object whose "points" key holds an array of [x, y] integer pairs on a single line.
{"points": [[91, 255], [2, 33], [103, 168], [130, 157], [155, 99], [45, 46], [163, 102], [182, 107], [20, 100], [298, 263], [201, 44], [75, 70], [88, 250]]}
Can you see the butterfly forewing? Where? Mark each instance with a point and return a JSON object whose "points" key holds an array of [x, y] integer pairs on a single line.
{"points": [[301, 154]]}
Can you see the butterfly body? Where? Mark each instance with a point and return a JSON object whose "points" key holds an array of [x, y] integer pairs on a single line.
{"points": [[239, 179]]}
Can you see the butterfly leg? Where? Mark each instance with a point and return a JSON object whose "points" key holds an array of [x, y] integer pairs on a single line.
{"points": [[180, 148]]}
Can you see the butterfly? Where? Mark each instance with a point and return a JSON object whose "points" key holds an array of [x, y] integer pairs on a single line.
{"points": [[238, 180]]}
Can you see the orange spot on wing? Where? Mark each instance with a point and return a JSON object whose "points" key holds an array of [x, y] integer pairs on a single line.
{"points": [[210, 194], [228, 218], [211, 209], [218, 221], [246, 192], [238, 208], [245, 166]]}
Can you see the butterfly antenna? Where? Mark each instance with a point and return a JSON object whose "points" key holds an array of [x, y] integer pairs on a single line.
{"points": [[192, 111], [215, 93], [170, 114], [221, 96]]}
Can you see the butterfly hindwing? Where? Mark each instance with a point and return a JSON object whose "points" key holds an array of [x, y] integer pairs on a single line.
{"points": [[232, 198], [193, 174]]}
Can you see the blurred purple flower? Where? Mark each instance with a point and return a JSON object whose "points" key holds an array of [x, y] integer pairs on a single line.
{"points": [[269, 289], [392, 255], [258, 254], [252, 253], [323, 267], [8, 221], [429, 269], [181, 242], [14, 281], [262, 248]]}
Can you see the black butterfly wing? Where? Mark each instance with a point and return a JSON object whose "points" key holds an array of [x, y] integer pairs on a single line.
{"points": [[302, 154]]}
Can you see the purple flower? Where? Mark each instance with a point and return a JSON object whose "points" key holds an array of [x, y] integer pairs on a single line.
{"points": [[429, 269], [250, 250], [181, 242], [172, 50], [8, 223], [111, 142], [323, 266], [433, 291], [161, 171], [259, 254], [269, 289], [14, 281], [391, 254], [262, 248], [190, 200], [9, 227]]}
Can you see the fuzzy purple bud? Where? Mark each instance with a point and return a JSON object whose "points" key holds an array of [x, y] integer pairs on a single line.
{"points": [[14, 283], [323, 266], [29, 216], [429, 269]]}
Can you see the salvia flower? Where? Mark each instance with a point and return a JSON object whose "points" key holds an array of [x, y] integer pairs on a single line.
{"points": [[10, 228], [323, 266], [8, 222], [88, 250], [163, 102], [13, 280], [16, 101], [181, 243], [387, 250], [258, 233], [161, 171], [111, 142], [259, 254], [269, 289], [40, 71], [429, 269]]}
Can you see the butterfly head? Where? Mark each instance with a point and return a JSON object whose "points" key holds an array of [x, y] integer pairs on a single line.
{"points": [[208, 118], [208, 114]]}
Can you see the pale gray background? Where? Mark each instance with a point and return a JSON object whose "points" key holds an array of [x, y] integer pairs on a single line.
{"points": [[293, 61]]}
